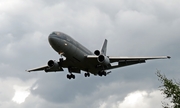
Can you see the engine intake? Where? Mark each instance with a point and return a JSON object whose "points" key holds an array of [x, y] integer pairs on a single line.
{"points": [[53, 66], [101, 58], [104, 60], [97, 52], [51, 63]]}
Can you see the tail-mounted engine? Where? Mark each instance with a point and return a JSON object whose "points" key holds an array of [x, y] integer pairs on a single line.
{"points": [[102, 58], [97, 52]]}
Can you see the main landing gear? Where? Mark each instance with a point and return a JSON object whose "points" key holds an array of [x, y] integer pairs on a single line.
{"points": [[69, 76], [101, 73], [87, 74]]}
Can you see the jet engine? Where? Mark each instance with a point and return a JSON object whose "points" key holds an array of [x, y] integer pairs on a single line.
{"points": [[53, 63], [97, 52], [53, 66], [104, 60]]}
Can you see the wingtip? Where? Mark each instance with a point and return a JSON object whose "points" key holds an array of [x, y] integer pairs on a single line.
{"points": [[27, 70], [168, 57]]}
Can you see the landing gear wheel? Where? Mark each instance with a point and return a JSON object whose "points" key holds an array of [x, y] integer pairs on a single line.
{"points": [[72, 76], [104, 73], [69, 76], [87, 74], [101, 73]]}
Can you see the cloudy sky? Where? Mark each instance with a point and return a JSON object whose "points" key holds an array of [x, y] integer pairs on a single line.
{"points": [[132, 27]]}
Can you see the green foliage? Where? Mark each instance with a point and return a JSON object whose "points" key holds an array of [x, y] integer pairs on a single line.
{"points": [[171, 90]]}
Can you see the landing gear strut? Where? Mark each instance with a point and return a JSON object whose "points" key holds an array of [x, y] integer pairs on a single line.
{"points": [[60, 61]]}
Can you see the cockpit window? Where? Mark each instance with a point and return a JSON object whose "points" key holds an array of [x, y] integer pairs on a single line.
{"points": [[61, 35], [53, 33]]}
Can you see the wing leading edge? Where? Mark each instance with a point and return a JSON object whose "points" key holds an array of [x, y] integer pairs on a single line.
{"points": [[46, 69], [116, 59], [126, 61]]}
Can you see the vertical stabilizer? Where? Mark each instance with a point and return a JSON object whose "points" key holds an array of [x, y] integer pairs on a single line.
{"points": [[104, 47]]}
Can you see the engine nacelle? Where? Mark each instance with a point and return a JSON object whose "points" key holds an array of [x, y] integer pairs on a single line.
{"points": [[104, 60], [97, 52], [53, 66]]}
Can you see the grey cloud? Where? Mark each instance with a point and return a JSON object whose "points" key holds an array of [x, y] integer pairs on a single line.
{"points": [[133, 28]]}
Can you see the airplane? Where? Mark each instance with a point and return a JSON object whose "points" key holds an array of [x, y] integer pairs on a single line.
{"points": [[76, 58]]}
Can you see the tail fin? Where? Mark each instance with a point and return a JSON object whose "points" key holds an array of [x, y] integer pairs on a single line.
{"points": [[104, 47]]}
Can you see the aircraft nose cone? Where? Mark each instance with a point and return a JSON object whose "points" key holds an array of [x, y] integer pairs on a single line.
{"points": [[55, 41], [52, 38]]}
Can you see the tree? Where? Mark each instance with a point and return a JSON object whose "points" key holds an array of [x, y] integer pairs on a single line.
{"points": [[171, 90]]}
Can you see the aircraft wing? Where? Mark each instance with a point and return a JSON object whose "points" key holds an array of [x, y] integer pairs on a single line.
{"points": [[126, 61], [38, 68], [45, 68], [117, 59]]}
